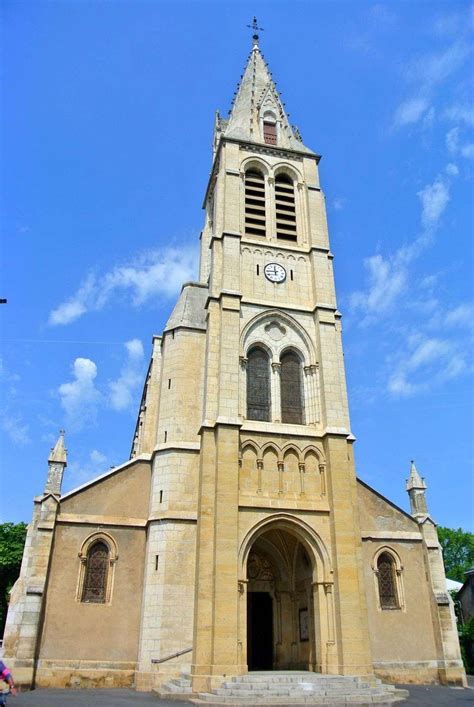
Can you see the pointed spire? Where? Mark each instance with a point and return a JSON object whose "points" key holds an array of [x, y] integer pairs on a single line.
{"points": [[416, 488], [59, 451], [57, 462], [415, 481], [256, 99]]}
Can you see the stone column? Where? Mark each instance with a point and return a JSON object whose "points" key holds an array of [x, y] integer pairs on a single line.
{"points": [[276, 392]]}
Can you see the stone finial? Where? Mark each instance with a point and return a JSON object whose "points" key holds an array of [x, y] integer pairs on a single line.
{"points": [[416, 488], [59, 451], [255, 28]]}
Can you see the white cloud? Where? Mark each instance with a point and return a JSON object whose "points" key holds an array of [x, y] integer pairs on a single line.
{"points": [[97, 457], [154, 274], [122, 391], [432, 69], [462, 315], [80, 398], [339, 203], [460, 113], [387, 279], [410, 111], [388, 275], [429, 362], [15, 428], [426, 73], [452, 140], [434, 199], [467, 151], [11, 421], [86, 468], [452, 170]]}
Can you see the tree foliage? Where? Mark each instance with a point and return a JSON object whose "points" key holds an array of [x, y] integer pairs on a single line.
{"points": [[12, 542], [458, 551]]}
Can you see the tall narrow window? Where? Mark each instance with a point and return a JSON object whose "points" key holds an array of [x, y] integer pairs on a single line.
{"points": [[285, 208], [97, 567], [387, 582], [269, 133], [258, 385], [254, 204], [291, 389]]}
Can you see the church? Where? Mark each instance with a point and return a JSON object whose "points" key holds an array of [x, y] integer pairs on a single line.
{"points": [[237, 537]]}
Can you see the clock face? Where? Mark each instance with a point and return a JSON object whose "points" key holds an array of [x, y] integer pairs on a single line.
{"points": [[275, 272]]}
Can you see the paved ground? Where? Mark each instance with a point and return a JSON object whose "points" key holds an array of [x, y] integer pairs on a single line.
{"points": [[420, 695]]}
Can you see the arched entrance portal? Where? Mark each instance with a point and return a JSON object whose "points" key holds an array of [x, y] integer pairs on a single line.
{"points": [[281, 621]]}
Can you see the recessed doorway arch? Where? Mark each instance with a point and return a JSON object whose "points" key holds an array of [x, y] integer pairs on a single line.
{"points": [[286, 609]]}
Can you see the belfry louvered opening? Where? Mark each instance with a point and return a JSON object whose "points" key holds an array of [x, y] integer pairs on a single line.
{"points": [[254, 204], [285, 208]]}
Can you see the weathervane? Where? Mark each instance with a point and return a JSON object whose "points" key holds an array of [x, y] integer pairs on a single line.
{"points": [[256, 29]]}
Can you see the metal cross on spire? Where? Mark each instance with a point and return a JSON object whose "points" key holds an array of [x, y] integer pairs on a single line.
{"points": [[254, 26]]}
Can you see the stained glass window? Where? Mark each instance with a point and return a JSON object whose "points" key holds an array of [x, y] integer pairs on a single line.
{"points": [[258, 385], [291, 389], [97, 567], [387, 582]]}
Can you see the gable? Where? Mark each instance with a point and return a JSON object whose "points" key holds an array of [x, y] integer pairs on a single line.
{"points": [[377, 513], [122, 493]]}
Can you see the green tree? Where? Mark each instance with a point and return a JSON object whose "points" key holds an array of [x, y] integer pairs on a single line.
{"points": [[12, 542], [458, 551]]}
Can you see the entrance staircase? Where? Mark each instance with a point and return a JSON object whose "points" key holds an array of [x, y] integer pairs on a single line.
{"points": [[296, 688]]}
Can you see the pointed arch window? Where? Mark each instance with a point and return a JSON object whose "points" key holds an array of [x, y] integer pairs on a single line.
{"points": [[291, 389], [258, 385], [96, 573], [387, 582], [285, 208], [255, 223]]}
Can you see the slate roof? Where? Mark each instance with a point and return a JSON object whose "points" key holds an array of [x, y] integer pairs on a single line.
{"points": [[190, 309]]}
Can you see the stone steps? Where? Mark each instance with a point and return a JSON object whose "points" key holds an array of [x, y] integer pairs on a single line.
{"points": [[299, 688], [176, 688]]}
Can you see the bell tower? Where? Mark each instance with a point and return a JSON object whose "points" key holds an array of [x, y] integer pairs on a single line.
{"points": [[277, 485]]}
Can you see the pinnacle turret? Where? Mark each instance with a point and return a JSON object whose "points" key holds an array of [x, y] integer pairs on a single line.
{"points": [[57, 462], [416, 488]]}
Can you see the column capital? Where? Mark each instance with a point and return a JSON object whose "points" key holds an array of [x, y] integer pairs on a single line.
{"points": [[243, 361], [276, 366]]}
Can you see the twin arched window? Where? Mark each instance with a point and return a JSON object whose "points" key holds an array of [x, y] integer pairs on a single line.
{"points": [[255, 209], [259, 387]]}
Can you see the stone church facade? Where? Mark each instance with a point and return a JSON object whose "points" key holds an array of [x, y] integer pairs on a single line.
{"points": [[237, 536]]}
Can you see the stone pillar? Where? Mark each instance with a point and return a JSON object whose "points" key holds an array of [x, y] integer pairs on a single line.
{"points": [[450, 666], [350, 609], [276, 392], [25, 612], [216, 650]]}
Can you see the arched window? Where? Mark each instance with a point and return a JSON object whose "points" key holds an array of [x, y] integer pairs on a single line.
{"points": [[387, 581], [96, 574], [258, 385], [254, 203], [291, 389], [285, 208]]}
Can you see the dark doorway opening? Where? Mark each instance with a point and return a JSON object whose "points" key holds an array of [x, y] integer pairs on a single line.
{"points": [[259, 631]]}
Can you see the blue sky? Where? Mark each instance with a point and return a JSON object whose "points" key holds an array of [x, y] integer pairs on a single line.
{"points": [[105, 102]]}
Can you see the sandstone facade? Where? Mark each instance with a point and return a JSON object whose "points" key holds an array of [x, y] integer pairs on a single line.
{"points": [[236, 539]]}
